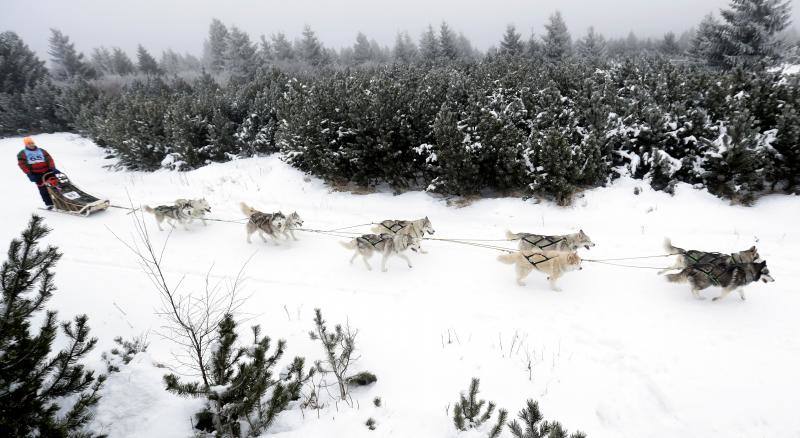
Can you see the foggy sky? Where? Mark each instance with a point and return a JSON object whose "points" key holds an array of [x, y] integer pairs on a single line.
{"points": [[182, 24]]}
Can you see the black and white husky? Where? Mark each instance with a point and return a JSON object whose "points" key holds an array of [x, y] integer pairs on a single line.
{"points": [[728, 276], [198, 208], [181, 214], [689, 257], [386, 244], [566, 242], [271, 224]]}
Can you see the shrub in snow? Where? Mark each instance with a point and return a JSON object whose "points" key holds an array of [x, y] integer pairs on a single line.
{"points": [[125, 353], [40, 394], [533, 427], [371, 423], [339, 347], [468, 412], [243, 393]]}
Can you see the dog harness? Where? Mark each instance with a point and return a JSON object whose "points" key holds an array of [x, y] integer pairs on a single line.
{"points": [[542, 242], [394, 226], [529, 258], [374, 239], [710, 258], [713, 272]]}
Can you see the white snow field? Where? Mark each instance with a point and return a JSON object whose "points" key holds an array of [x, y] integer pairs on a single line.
{"points": [[618, 353]]}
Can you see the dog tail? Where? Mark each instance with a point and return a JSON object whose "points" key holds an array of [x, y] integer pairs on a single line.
{"points": [[509, 258], [669, 248], [247, 210], [513, 236], [350, 244], [680, 277], [148, 209]]}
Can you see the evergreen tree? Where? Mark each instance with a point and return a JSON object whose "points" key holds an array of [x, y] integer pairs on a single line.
{"points": [[282, 48], [171, 63], [448, 44], [101, 61], [405, 51], [557, 41], [20, 68], [311, 49], [67, 62], [512, 42], [146, 63], [362, 49], [216, 46], [120, 63], [467, 412], [42, 394], [533, 427], [750, 30], [592, 47], [669, 45], [533, 48], [706, 45], [240, 55], [429, 49]]}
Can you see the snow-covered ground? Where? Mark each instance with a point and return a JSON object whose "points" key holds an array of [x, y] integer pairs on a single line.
{"points": [[619, 353]]}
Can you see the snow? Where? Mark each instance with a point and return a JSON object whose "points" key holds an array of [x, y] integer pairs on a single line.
{"points": [[619, 353]]}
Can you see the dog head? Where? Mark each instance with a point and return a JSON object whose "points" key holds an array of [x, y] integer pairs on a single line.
{"points": [[584, 240], [407, 241], [294, 220], [762, 273], [279, 220], [750, 255], [201, 205], [427, 226], [574, 262]]}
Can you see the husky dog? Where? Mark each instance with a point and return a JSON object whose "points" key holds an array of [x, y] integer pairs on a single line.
{"points": [[728, 276], [567, 242], [416, 229], [690, 257], [386, 244], [265, 223], [293, 222], [181, 214], [552, 263], [198, 208]]}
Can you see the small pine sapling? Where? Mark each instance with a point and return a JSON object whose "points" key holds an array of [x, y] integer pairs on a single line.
{"points": [[371, 423], [124, 354], [467, 412], [533, 426]]}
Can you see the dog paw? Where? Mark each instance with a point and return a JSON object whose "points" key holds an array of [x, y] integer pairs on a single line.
{"points": [[715, 299], [384, 270]]}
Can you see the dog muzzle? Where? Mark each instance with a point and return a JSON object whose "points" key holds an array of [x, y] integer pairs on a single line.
{"points": [[767, 279], [414, 249]]}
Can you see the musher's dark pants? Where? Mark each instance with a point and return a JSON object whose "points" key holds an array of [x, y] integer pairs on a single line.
{"points": [[42, 189]]}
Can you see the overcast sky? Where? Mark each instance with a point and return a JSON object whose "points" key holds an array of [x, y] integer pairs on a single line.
{"points": [[182, 24]]}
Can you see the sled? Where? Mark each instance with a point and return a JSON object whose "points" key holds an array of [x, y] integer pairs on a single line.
{"points": [[68, 198]]}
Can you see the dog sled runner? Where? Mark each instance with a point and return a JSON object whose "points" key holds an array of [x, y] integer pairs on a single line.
{"points": [[68, 198]]}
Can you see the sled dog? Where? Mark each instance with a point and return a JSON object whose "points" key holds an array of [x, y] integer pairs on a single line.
{"points": [[416, 229], [181, 214], [689, 257], [271, 224], [566, 242], [293, 222], [198, 208], [385, 244], [728, 276], [552, 263]]}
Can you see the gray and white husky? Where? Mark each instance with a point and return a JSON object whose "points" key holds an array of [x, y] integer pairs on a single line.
{"points": [[198, 208], [416, 229], [270, 224], [566, 242], [728, 276], [386, 244], [293, 222], [689, 257], [178, 213]]}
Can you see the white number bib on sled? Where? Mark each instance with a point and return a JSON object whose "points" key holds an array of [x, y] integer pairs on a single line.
{"points": [[71, 195]]}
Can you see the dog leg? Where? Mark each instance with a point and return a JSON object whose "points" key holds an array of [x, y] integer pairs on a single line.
{"points": [[383, 262], [741, 293], [405, 257], [366, 262], [724, 294], [293, 236], [696, 293], [261, 234], [354, 257], [553, 279], [158, 222], [249, 233]]}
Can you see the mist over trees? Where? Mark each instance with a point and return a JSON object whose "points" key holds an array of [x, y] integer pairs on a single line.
{"points": [[547, 113]]}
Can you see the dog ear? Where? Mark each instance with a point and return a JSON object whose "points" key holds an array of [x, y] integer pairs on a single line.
{"points": [[753, 248]]}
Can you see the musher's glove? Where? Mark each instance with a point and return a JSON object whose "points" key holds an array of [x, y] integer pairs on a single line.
{"points": [[32, 177]]}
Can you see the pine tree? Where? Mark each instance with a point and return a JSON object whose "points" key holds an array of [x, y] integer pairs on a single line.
{"points": [[20, 68], [67, 62], [216, 46], [592, 47], [146, 63], [339, 347], [242, 388], [101, 61], [429, 49], [467, 411], [750, 29], [120, 63], [533, 48], [362, 50], [557, 41], [533, 427], [282, 47], [706, 45], [311, 49], [512, 42], [669, 45], [448, 43], [37, 386], [240, 55], [405, 51]]}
